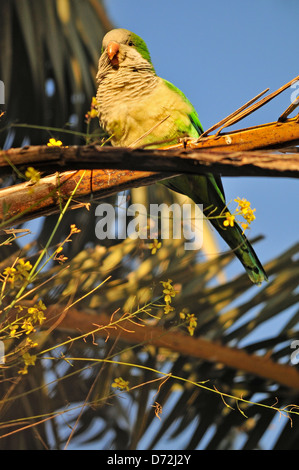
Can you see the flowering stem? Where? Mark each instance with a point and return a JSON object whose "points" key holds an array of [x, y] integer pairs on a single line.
{"points": [[196, 384], [32, 275]]}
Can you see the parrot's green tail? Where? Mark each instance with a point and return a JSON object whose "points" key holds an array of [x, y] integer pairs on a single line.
{"points": [[208, 191], [241, 247]]}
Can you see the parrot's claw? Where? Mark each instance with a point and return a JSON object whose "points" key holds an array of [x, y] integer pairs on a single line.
{"points": [[184, 141]]}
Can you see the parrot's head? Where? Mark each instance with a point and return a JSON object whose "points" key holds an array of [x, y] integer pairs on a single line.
{"points": [[122, 49]]}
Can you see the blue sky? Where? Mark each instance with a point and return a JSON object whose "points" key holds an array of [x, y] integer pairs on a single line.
{"points": [[221, 54]]}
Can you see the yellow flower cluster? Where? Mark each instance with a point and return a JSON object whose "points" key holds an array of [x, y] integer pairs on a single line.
{"points": [[243, 209], [18, 273], [121, 384], [29, 360], [30, 317], [93, 112], [25, 318], [190, 320], [169, 292]]}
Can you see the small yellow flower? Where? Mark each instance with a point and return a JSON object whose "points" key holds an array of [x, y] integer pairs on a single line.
{"points": [[13, 330], [168, 290], [168, 309], [23, 268], [192, 323], [23, 265], [41, 305], [190, 319], [249, 216], [155, 246], [244, 226], [27, 326], [54, 143], [10, 274], [28, 359], [30, 343], [93, 112], [245, 211], [9, 271], [243, 204], [19, 273], [121, 384], [32, 175], [230, 219], [36, 313]]}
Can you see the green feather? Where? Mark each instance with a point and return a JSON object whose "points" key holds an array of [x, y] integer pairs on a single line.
{"points": [[141, 47]]}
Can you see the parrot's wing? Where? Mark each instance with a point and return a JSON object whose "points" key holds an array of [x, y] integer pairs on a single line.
{"points": [[193, 116]]}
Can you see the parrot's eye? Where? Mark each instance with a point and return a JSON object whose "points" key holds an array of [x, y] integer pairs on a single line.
{"points": [[130, 43]]}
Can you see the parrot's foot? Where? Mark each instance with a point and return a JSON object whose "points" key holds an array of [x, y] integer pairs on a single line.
{"points": [[184, 141]]}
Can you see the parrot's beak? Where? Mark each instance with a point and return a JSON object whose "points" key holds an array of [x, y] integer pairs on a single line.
{"points": [[112, 51]]}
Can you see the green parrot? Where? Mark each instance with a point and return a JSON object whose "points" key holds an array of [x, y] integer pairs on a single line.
{"points": [[138, 108]]}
